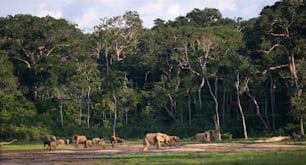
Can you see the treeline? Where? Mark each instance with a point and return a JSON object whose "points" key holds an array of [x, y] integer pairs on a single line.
{"points": [[199, 72]]}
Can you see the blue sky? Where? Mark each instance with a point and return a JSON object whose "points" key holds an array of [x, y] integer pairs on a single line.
{"points": [[87, 13]]}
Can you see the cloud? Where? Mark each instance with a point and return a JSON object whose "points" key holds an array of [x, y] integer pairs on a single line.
{"points": [[165, 9], [222, 5], [173, 11], [44, 10], [87, 13], [88, 20]]}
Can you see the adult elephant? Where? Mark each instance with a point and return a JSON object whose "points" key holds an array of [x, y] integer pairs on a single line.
{"points": [[152, 139], [202, 137], [47, 140], [79, 139], [114, 140]]}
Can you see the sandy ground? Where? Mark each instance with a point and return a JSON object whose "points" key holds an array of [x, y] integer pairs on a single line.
{"points": [[87, 156]]}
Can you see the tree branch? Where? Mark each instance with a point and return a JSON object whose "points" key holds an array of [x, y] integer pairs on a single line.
{"points": [[26, 62], [274, 67], [273, 47], [52, 49]]}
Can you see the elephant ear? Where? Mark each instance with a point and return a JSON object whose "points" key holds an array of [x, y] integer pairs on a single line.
{"points": [[167, 138], [159, 138]]}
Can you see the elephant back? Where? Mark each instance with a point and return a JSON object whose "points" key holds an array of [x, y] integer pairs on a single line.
{"points": [[49, 138], [79, 138]]}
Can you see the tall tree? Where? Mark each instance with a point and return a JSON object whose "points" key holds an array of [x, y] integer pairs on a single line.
{"points": [[283, 36]]}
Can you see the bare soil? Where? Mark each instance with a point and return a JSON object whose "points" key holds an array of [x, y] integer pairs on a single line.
{"points": [[88, 156]]}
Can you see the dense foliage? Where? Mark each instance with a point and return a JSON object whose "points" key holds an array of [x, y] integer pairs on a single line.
{"points": [[199, 72]]}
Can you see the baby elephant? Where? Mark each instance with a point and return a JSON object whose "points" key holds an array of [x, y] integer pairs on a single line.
{"points": [[52, 145], [101, 143], [88, 144], [95, 140], [173, 140], [47, 141], [60, 142]]}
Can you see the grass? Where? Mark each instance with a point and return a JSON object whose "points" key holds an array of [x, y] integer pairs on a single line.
{"points": [[282, 157], [249, 158], [26, 146]]}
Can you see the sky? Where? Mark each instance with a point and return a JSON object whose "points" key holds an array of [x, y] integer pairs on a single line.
{"points": [[87, 13]]}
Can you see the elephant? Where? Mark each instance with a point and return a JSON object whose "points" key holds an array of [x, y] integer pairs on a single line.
{"points": [[60, 142], [114, 140], [52, 145], [95, 140], [88, 144], [152, 139], [48, 139], [101, 143], [79, 139], [203, 137], [119, 140], [173, 140]]}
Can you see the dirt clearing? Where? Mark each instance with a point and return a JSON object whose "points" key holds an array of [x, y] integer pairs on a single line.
{"points": [[88, 156]]}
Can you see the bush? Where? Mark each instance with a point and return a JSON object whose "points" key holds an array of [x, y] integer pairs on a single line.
{"points": [[23, 133], [226, 136]]}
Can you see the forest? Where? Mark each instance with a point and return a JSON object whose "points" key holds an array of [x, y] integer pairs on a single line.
{"points": [[196, 73]]}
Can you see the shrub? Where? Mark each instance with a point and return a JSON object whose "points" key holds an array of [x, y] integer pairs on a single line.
{"points": [[226, 136]]}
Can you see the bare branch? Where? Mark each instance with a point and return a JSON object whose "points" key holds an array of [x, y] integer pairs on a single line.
{"points": [[278, 35], [273, 47], [285, 34], [52, 49], [274, 67], [26, 62]]}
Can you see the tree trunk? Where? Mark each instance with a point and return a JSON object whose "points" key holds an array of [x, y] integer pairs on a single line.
{"points": [[115, 113], [240, 108], [272, 95], [61, 112], [126, 115], [266, 107], [189, 106], [223, 104], [80, 111], [88, 106], [35, 93], [216, 116], [172, 109], [302, 125], [106, 60], [299, 90], [200, 93], [257, 109]]}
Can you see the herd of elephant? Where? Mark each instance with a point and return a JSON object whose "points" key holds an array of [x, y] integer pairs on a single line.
{"points": [[52, 142], [150, 139]]}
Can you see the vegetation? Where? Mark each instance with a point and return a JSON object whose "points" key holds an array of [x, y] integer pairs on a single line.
{"points": [[241, 78], [296, 156], [253, 158]]}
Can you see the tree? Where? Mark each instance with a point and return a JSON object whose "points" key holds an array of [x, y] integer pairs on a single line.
{"points": [[123, 30], [205, 17], [36, 45], [283, 33]]}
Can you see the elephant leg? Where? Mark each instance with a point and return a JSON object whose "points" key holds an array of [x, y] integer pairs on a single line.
{"points": [[147, 145], [158, 145]]}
